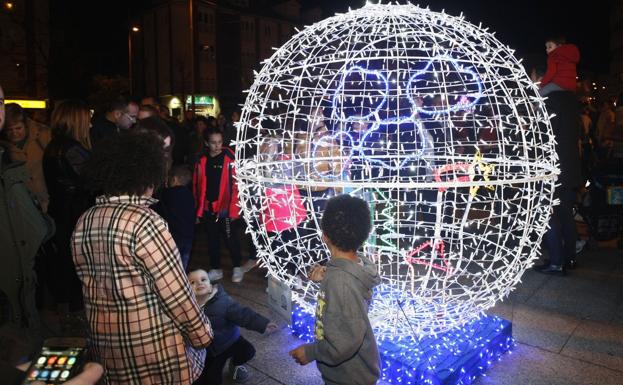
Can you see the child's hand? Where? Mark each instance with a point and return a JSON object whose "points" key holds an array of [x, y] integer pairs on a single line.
{"points": [[271, 328], [299, 355], [316, 273]]}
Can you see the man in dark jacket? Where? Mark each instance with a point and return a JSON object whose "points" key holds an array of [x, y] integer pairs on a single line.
{"points": [[120, 114], [226, 317]]}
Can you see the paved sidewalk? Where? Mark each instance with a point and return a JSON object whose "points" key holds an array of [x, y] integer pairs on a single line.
{"points": [[569, 330]]}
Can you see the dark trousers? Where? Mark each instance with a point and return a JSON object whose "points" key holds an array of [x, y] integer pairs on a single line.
{"points": [[240, 352], [62, 277], [224, 227], [185, 247], [562, 234]]}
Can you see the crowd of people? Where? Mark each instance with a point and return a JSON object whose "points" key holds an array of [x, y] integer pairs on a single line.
{"points": [[120, 258], [107, 204]]}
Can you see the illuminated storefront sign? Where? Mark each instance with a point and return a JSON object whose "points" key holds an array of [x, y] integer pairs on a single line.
{"points": [[24, 103], [201, 100]]}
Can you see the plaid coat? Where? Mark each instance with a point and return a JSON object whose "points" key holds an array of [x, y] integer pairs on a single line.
{"points": [[141, 310]]}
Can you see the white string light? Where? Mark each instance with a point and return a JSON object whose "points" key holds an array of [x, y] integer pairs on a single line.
{"points": [[431, 120]]}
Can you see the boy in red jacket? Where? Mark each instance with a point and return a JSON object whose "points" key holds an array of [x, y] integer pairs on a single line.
{"points": [[216, 200], [561, 66]]}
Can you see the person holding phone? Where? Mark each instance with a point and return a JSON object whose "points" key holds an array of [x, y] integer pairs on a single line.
{"points": [[145, 326], [90, 375]]}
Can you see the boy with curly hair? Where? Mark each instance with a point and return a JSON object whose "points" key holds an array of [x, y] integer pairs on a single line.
{"points": [[345, 348]]}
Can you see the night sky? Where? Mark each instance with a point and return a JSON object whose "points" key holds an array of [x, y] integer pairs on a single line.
{"points": [[90, 37]]}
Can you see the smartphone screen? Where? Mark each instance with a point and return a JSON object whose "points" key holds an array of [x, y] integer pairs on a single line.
{"points": [[55, 365]]}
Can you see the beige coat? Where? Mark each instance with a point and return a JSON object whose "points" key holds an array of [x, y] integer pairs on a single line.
{"points": [[37, 138]]}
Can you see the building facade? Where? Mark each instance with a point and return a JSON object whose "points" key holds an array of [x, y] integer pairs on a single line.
{"points": [[24, 48], [208, 49], [616, 43]]}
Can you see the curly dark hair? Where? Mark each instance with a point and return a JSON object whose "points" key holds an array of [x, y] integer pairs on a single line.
{"points": [[128, 163], [346, 222]]}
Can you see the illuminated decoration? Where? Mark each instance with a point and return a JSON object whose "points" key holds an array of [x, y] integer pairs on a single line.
{"points": [[431, 120], [455, 357], [29, 103]]}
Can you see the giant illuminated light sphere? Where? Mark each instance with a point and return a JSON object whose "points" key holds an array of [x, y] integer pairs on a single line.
{"points": [[436, 125]]}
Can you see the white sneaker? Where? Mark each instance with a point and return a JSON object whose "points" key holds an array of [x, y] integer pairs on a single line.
{"points": [[250, 264], [237, 275], [215, 274], [579, 245]]}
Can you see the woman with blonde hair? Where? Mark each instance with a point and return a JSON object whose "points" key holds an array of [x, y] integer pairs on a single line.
{"points": [[63, 163]]}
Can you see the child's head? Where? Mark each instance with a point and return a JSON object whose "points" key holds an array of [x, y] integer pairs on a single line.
{"points": [[213, 138], [179, 176], [200, 282], [553, 42], [346, 222]]}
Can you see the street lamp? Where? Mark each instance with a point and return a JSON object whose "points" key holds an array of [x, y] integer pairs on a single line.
{"points": [[133, 29]]}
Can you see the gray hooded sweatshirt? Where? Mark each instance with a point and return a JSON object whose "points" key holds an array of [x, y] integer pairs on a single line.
{"points": [[345, 348]]}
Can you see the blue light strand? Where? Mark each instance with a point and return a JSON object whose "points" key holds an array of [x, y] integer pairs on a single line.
{"points": [[456, 357]]}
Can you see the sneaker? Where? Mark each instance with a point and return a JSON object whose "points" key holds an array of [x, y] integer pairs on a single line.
{"points": [[240, 373], [215, 274], [579, 245], [250, 264], [237, 275]]}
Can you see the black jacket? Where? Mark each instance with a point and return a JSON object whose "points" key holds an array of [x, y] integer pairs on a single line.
{"points": [[101, 128], [226, 315], [63, 162], [177, 206]]}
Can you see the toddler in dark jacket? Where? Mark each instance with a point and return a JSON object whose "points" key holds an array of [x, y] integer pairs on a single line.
{"points": [[226, 317], [177, 206]]}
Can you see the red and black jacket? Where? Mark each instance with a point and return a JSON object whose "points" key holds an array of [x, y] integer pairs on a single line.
{"points": [[227, 203]]}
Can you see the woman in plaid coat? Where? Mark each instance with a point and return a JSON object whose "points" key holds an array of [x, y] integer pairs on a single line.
{"points": [[144, 321]]}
